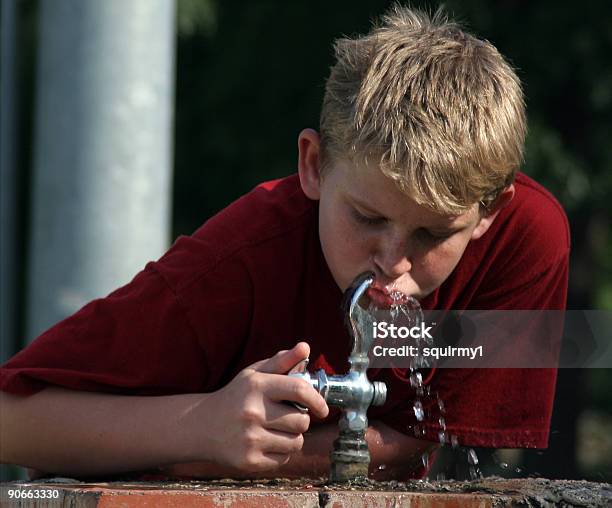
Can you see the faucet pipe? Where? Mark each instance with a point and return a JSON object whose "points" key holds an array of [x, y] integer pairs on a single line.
{"points": [[353, 392]]}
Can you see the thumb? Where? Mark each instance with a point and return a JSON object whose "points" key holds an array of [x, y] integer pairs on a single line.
{"points": [[284, 360]]}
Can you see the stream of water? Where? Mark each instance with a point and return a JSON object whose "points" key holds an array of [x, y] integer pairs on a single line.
{"points": [[406, 311]]}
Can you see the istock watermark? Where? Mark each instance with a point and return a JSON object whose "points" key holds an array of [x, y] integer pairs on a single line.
{"points": [[383, 330], [493, 339], [436, 353]]}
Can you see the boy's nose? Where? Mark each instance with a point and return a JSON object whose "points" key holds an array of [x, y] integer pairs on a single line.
{"points": [[393, 263]]}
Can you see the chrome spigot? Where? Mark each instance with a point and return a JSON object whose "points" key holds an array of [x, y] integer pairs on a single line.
{"points": [[354, 393]]}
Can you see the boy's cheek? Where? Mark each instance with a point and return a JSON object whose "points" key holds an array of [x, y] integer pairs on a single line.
{"points": [[434, 269], [344, 240]]}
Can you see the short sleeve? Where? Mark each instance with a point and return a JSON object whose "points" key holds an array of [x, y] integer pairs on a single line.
{"points": [[137, 340]]}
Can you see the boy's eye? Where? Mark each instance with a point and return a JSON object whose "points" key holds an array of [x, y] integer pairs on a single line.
{"points": [[431, 237], [366, 219]]}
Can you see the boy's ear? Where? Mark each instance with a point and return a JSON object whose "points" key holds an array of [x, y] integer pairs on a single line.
{"points": [[309, 166], [489, 216]]}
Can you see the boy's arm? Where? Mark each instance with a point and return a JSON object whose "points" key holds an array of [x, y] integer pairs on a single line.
{"points": [[398, 454], [393, 455], [244, 425], [83, 434]]}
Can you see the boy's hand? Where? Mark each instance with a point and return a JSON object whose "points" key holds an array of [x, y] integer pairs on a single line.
{"points": [[250, 428]]}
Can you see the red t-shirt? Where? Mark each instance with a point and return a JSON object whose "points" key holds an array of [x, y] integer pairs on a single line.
{"points": [[252, 280]]}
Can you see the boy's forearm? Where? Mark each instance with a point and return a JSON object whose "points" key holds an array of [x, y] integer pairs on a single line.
{"points": [[85, 434], [400, 456], [82, 434]]}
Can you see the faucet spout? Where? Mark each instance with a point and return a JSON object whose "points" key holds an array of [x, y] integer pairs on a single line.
{"points": [[354, 303]]}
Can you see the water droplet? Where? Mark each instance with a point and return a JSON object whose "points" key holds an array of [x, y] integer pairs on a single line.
{"points": [[393, 312], [397, 296], [442, 437], [454, 441], [518, 470], [382, 467], [425, 459], [418, 410], [416, 379], [442, 422], [504, 465], [473, 470], [441, 405], [419, 430], [474, 473], [472, 457]]}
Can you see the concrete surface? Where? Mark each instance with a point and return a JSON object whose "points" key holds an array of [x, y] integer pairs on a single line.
{"points": [[484, 493]]}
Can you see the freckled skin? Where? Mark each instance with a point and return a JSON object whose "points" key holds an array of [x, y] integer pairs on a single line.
{"points": [[367, 224], [395, 244]]}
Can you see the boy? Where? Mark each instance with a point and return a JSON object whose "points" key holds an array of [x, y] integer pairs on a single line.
{"points": [[413, 177]]}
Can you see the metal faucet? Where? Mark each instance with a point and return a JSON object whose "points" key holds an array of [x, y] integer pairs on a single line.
{"points": [[353, 392]]}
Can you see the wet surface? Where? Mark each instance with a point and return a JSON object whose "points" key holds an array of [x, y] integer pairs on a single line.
{"points": [[530, 492]]}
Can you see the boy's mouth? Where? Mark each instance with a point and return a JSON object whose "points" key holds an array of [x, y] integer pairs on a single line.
{"points": [[384, 298]]}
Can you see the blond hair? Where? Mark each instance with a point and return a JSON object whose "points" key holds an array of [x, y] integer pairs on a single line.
{"points": [[440, 111]]}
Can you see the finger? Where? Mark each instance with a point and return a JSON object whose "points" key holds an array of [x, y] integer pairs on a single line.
{"points": [[283, 361], [284, 388], [282, 442], [264, 461], [285, 418], [274, 460]]}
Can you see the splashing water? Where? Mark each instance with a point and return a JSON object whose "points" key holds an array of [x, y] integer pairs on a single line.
{"points": [[416, 379], [419, 413], [473, 470], [442, 436], [454, 441], [441, 405], [425, 460], [472, 457], [407, 311], [404, 310], [509, 468]]}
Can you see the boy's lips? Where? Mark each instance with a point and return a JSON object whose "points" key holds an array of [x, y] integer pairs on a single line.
{"points": [[380, 298], [383, 298]]}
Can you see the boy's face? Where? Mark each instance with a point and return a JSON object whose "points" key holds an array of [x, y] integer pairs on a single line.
{"points": [[367, 224]]}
